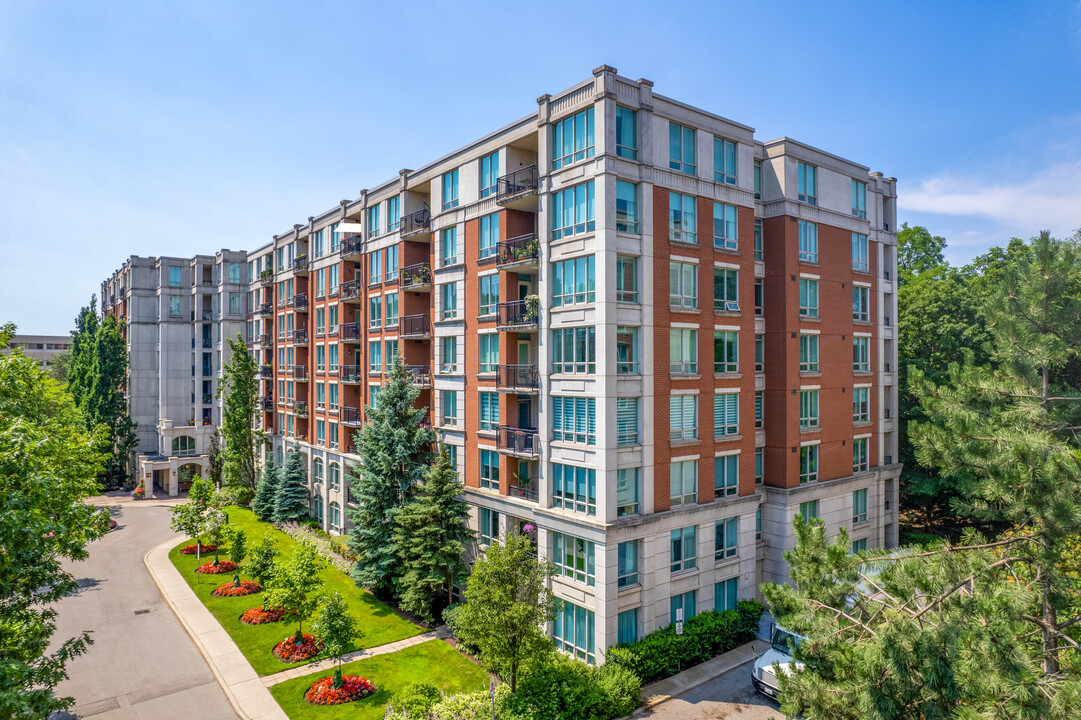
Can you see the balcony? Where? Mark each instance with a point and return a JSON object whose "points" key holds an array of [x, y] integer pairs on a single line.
{"points": [[350, 416], [519, 189], [522, 252], [527, 491], [208, 399], [266, 339], [352, 247], [208, 372], [300, 301], [266, 404], [520, 315], [350, 374], [416, 278], [266, 278], [417, 225], [519, 442], [266, 371], [300, 372], [351, 291], [421, 374], [517, 378], [300, 337], [349, 332], [416, 327], [265, 308], [207, 343], [300, 265], [301, 408]]}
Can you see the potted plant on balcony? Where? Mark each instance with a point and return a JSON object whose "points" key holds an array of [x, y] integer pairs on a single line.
{"points": [[266, 273], [530, 249], [532, 307]]}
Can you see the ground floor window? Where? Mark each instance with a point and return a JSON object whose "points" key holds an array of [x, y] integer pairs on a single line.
{"points": [[724, 594], [573, 632], [628, 626]]}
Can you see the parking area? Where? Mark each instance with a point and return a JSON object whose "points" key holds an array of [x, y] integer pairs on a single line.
{"points": [[730, 695]]}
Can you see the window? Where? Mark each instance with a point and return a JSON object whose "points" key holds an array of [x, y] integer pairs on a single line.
{"points": [[808, 408], [574, 419], [449, 246], [861, 405], [759, 291], [808, 241], [375, 356], [725, 351], [758, 464], [572, 139], [758, 243], [759, 353], [859, 546], [627, 564], [682, 285], [806, 181], [392, 309], [627, 350], [627, 492], [450, 190], [174, 276], [489, 476], [757, 179], [861, 354], [489, 521], [682, 225], [726, 414], [724, 161], [574, 350], [685, 602], [726, 289], [572, 211], [317, 243], [861, 303], [683, 485], [683, 554], [450, 407], [727, 544], [627, 622], [574, 632], [626, 133], [320, 321], [758, 408], [333, 401], [333, 317], [373, 221], [574, 488], [573, 557], [335, 238], [860, 460], [489, 410], [394, 214], [335, 524], [450, 355], [392, 265], [808, 464], [681, 148], [317, 508], [174, 306], [808, 510], [321, 439], [489, 174], [859, 199], [626, 206], [725, 233], [333, 356], [489, 352], [726, 475], [392, 352], [320, 358], [808, 353], [683, 351], [334, 476], [489, 234], [375, 312], [859, 505], [448, 295], [626, 279], [859, 253], [183, 445], [574, 281], [489, 293], [234, 302], [808, 298], [683, 417], [724, 594]]}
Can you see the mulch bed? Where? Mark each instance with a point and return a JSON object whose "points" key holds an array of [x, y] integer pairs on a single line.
{"points": [[191, 549], [288, 650], [354, 687], [229, 589], [224, 566], [259, 616]]}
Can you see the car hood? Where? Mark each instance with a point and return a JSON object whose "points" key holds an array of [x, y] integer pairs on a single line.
{"points": [[772, 657]]}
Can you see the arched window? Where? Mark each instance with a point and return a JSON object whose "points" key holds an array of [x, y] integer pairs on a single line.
{"points": [[335, 477], [183, 445], [317, 508], [335, 524], [317, 470]]}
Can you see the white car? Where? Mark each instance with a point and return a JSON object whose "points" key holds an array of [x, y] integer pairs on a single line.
{"points": [[777, 659]]}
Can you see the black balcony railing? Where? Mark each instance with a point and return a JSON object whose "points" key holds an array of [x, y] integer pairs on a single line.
{"points": [[300, 264], [350, 416], [522, 249], [265, 308], [349, 290], [267, 404], [208, 399], [415, 276], [266, 371], [349, 332], [300, 372], [350, 374], [421, 374], [266, 339], [518, 441], [415, 222], [300, 337], [266, 277], [415, 326], [516, 377], [301, 408], [300, 301], [517, 314], [208, 372], [520, 182], [527, 491], [207, 343]]}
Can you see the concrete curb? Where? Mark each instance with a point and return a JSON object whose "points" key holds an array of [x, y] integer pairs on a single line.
{"points": [[242, 686], [662, 691]]}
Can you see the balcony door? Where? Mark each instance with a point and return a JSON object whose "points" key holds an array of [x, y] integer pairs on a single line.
{"points": [[525, 407], [523, 352]]}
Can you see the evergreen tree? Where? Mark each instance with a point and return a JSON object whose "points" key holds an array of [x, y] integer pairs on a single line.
{"points": [[240, 387], [266, 492], [394, 452], [291, 498], [431, 536]]}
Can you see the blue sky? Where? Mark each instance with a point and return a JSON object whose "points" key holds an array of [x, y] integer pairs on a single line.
{"points": [[182, 127]]}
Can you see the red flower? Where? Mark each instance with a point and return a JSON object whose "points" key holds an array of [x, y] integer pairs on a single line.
{"points": [[259, 616], [354, 687], [211, 569], [190, 549], [229, 589], [288, 650]]}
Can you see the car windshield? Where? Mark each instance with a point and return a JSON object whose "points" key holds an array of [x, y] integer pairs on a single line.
{"points": [[783, 642]]}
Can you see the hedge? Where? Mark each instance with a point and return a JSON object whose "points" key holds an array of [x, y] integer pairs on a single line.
{"points": [[662, 653]]}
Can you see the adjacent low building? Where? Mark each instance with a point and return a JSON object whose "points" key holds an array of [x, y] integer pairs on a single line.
{"points": [[43, 348]]}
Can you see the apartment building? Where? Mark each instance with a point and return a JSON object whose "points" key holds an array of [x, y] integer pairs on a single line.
{"points": [[549, 288], [43, 348], [177, 313]]}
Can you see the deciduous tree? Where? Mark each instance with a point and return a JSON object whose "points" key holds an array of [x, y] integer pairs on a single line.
{"points": [[293, 585], [338, 629]]}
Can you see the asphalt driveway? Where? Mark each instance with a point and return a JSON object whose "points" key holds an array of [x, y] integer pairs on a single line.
{"points": [[730, 696]]}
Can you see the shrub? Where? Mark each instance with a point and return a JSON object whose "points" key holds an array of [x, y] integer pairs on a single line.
{"points": [[418, 698], [234, 495], [462, 706], [566, 689], [450, 617]]}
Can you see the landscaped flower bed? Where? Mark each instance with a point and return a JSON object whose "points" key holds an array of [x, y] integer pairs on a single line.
{"points": [[259, 616], [190, 549], [230, 589], [289, 651], [354, 687], [210, 568]]}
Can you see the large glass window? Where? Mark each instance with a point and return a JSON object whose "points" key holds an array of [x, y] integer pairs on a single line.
{"points": [[574, 419], [861, 354], [683, 555], [572, 211], [627, 568], [573, 557], [726, 414], [450, 407], [859, 505], [859, 199], [724, 594], [861, 303], [574, 350], [626, 133], [489, 234], [489, 476], [681, 154], [626, 206], [375, 311], [727, 544], [808, 353], [757, 179], [574, 632], [807, 176], [808, 408], [174, 276], [627, 492], [391, 300], [375, 267], [759, 251], [860, 459], [687, 603], [489, 410], [574, 488], [808, 297], [726, 289], [489, 174], [808, 241], [373, 221], [861, 405], [683, 417], [626, 279], [725, 226], [448, 296], [859, 253], [450, 190], [724, 161], [726, 475], [683, 351], [808, 510], [725, 351], [683, 285], [627, 421], [489, 519], [394, 213], [489, 293], [174, 306], [449, 362], [375, 356], [808, 464], [489, 352], [683, 485], [574, 281], [448, 241], [682, 226], [572, 139], [627, 350]]}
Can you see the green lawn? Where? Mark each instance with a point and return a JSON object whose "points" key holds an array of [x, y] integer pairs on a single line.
{"points": [[432, 662], [379, 623]]}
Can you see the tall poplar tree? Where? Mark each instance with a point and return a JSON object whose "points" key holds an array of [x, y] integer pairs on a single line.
{"points": [[394, 452], [240, 388], [82, 352]]}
